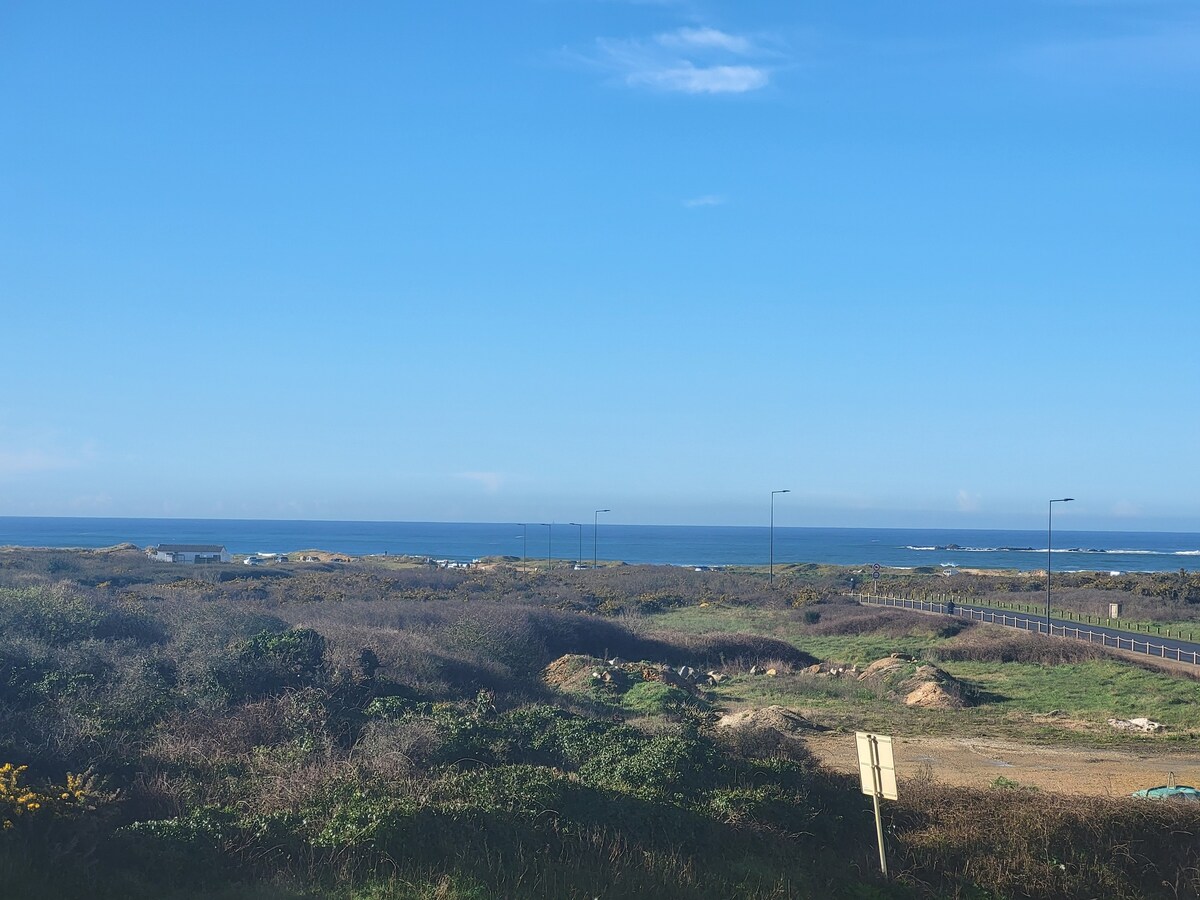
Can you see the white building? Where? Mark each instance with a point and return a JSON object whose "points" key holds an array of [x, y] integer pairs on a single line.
{"points": [[190, 553]]}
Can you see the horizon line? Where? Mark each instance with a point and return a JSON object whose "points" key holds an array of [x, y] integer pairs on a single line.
{"points": [[514, 522]]}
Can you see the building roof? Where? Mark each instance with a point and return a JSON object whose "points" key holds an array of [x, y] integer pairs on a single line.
{"points": [[190, 548]]}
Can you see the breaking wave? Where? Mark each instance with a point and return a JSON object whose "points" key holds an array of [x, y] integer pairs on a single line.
{"points": [[955, 548]]}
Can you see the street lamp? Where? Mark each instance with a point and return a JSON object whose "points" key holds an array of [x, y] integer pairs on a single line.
{"points": [[1049, 536], [549, 544], [773, 493], [595, 523], [579, 558]]}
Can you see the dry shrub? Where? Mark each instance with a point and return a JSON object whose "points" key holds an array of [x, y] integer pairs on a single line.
{"points": [[520, 637], [208, 738], [155, 794], [448, 650], [395, 749], [997, 644], [425, 658], [1020, 843], [765, 742], [837, 619], [726, 650]]}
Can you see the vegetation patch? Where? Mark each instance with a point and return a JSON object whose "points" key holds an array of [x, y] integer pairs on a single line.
{"points": [[373, 731], [993, 643]]}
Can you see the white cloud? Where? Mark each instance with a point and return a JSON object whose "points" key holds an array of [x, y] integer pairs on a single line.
{"points": [[706, 38], [489, 481], [691, 79], [687, 61], [704, 200]]}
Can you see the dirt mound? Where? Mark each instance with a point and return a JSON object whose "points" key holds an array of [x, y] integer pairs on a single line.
{"points": [[881, 668], [575, 674], [915, 684], [775, 718], [932, 695], [570, 671]]}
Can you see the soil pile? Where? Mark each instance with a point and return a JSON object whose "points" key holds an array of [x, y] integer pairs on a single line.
{"points": [[915, 684], [773, 718], [572, 672], [575, 673]]}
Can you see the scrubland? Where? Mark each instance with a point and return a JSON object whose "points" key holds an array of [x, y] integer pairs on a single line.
{"points": [[362, 730]]}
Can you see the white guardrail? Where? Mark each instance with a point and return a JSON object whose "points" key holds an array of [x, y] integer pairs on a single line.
{"points": [[1030, 623]]}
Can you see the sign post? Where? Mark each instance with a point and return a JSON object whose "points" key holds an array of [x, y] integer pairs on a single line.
{"points": [[877, 771], [875, 578]]}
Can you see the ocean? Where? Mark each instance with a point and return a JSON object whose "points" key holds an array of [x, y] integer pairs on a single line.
{"points": [[686, 545]]}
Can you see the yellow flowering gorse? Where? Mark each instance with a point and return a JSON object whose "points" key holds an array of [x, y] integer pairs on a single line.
{"points": [[17, 800]]}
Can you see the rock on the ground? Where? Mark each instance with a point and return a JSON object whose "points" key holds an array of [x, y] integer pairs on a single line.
{"points": [[1138, 723]]}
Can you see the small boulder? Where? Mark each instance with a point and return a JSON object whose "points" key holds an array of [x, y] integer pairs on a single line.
{"points": [[1138, 723]]}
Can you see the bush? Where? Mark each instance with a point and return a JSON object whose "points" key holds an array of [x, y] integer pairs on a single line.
{"points": [[269, 664], [61, 615], [987, 643]]}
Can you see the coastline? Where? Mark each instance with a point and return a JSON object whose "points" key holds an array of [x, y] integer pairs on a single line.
{"points": [[691, 545]]}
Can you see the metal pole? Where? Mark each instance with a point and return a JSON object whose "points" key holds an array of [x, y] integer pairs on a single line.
{"points": [[879, 834], [595, 525], [1049, 538], [549, 544], [579, 558], [878, 778], [773, 493]]}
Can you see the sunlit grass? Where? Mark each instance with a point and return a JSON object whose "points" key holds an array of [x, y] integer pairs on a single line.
{"points": [[1013, 697]]}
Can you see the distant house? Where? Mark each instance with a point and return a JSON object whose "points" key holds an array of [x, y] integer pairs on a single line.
{"points": [[190, 553]]}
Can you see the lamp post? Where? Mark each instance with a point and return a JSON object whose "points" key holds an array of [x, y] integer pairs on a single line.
{"points": [[1049, 537], [773, 493], [549, 544], [579, 558], [524, 544], [595, 524]]}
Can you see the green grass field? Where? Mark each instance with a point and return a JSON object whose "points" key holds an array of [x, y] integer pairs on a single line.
{"points": [[1014, 697]]}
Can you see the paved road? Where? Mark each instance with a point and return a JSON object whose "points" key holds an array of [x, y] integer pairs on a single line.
{"points": [[1148, 644]]}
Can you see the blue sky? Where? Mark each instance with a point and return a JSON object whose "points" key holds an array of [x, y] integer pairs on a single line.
{"points": [[922, 263]]}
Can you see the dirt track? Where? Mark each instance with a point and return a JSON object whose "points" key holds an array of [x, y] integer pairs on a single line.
{"points": [[978, 762]]}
